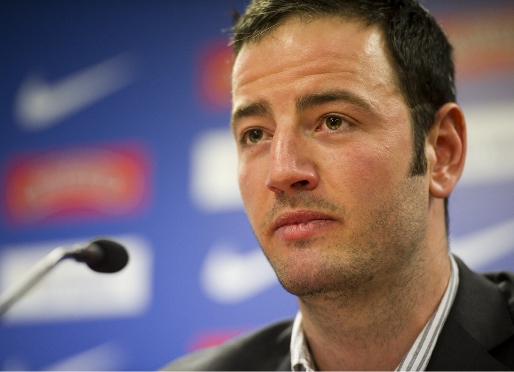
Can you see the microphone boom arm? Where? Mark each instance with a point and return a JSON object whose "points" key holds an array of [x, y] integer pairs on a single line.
{"points": [[33, 276], [103, 255]]}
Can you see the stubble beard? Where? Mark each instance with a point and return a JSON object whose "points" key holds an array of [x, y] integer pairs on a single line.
{"points": [[384, 254]]}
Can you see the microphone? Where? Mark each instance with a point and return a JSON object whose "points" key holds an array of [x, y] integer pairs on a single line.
{"points": [[102, 255]]}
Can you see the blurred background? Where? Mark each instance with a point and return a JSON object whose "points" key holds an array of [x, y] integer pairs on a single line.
{"points": [[114, 122]]}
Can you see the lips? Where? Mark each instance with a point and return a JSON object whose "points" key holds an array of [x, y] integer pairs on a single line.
{"points": [[301, 224]]}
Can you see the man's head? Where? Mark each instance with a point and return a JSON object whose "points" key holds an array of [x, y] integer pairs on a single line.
{"points": [[420, 53], [326, 96]]}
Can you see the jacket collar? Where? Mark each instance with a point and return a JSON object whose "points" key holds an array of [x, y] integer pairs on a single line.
{"points": [[478, 322]]}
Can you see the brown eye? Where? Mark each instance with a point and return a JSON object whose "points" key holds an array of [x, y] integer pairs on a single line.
{"points": [[333, 122], [254, 135]]}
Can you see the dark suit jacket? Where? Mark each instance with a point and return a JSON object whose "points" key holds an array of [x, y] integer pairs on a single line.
{"points": [[478, 334]]}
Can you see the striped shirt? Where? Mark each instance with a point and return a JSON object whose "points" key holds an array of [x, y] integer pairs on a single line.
{"points": [[417, 357]]}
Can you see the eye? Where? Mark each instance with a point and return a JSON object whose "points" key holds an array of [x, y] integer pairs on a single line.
{"points": [[252, 136], [333, 122]]}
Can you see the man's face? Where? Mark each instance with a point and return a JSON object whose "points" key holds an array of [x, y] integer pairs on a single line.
{"points": [[324, 146]]}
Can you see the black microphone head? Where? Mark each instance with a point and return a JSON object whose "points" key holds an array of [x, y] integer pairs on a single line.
{"points": [[115, 257]]}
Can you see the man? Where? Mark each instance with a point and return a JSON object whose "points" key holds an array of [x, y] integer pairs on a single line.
{"points": [[349, 144]]}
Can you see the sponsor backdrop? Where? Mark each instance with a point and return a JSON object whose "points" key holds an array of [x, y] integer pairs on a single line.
{"points": [[114, 122]]}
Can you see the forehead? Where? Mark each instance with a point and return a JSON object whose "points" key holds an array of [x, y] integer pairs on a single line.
{"points": [[313, 51]]}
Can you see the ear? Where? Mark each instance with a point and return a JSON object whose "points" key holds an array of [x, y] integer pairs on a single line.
{"points": [[446, 150]]}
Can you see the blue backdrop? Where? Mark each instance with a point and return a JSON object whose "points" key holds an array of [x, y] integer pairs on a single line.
{"points": [[114, 122]]}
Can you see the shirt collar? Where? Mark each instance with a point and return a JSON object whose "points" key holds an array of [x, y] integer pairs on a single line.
{"points": [[419, 354]]}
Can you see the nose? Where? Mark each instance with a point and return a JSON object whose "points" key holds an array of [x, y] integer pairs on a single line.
{"points": [[292, 167]]}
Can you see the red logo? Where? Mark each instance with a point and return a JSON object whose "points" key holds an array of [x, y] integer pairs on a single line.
{"points": [[483, 41], [214, 75], [213, 338], [76, 183]]}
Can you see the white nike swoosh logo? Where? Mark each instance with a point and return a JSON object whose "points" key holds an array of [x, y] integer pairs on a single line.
{"points": [[40, 104], [228, 276], [486, 246]]}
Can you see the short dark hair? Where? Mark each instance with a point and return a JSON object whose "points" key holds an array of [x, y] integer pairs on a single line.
{"points": [[420, 52]]}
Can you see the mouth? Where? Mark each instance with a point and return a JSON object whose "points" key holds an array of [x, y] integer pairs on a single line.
{"points": [[302, 224]]}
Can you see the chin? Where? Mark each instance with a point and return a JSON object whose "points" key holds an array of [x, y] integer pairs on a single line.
{"points": [[309, 276]]}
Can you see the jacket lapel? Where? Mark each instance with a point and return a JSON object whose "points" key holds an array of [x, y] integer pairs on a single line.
{"points": [[284, 362], [478, 322]]}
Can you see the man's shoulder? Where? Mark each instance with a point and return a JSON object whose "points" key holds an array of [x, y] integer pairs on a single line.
{"points": [[505, 282], [264, 349], [479, 331], [477, 288], [494, 286]]}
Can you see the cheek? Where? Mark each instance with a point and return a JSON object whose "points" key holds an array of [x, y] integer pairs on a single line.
{"points": [[367, 173]]}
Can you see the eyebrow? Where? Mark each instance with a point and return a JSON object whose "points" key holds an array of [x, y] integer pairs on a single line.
{"points": [[260, 108], [308, 101], [303, 103]]}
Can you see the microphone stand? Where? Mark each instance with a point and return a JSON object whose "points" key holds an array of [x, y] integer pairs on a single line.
{"points": [[12, 294]]}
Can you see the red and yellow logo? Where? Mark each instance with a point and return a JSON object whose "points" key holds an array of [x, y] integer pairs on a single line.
{"points": [[206, 339], [76, 183], [214, 73], [483, 41]]}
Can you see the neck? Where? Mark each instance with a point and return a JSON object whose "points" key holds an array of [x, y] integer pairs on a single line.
{"points": [[376, 328]]}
